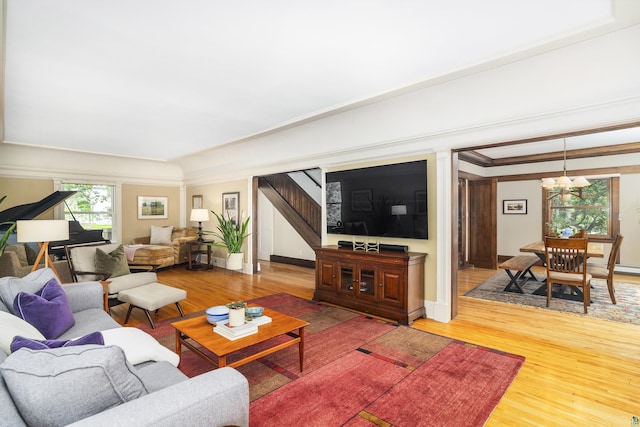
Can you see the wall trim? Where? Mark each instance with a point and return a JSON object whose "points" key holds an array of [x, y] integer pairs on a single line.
{"points": [[292, 261]]}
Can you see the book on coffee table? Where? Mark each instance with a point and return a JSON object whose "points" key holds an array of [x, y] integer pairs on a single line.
{"points": [[262, 320], [235, 332]]}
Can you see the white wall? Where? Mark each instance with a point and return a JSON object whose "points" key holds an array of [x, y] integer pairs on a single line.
{"points": [[630, 219], [265, 227], [35, 162], [515, 231], [277, 236]]}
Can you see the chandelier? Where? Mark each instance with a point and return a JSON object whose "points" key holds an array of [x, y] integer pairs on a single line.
{"points": [[564, 187]]}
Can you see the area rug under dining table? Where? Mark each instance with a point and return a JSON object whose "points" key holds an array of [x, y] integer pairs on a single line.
{"points": [[363, 371], [627, 309]]}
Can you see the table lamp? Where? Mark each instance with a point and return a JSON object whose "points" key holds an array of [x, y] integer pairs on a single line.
{"points": [[200, 216], [42, 232]]}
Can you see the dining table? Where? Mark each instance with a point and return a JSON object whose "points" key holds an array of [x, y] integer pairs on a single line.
{"points": [[594, 250]]}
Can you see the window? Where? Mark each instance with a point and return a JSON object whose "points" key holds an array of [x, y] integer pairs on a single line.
{"points": [[596, 211], [92, 206]]}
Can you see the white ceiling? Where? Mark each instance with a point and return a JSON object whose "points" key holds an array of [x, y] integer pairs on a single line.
{"points": [[163, 78], [593, 140]]}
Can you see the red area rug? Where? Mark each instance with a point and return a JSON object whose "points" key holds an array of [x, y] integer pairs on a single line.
{"points": [[361, 371]]}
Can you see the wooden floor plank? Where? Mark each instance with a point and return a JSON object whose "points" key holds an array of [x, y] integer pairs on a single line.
{"points": [[578, 370]]}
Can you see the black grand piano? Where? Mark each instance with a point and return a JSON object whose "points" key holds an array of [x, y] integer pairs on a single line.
{"points": [[77, 234]]}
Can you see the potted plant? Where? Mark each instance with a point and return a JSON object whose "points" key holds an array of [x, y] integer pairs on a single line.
{"points": [[5, 236], [233, 236], [236, 312]]}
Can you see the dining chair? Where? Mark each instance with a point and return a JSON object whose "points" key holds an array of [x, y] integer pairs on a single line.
{"points": [[602, 271], [567, 265]]}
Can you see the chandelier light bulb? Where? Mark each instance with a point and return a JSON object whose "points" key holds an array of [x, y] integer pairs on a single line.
{"points": [[561, 187]]}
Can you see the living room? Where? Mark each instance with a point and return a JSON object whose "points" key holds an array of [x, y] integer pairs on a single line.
{"points": [[583, 80], [391, 130]]}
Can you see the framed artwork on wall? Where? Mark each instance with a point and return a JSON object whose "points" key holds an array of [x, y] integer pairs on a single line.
{"points": [[231, 206], [197, 201], [514, 207], [153, 207]]}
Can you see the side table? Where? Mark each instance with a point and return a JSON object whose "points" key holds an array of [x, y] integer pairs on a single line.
{"points": [[195, 248], [105, 293]]}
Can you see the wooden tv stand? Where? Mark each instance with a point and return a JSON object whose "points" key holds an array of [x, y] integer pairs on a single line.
{"points": [[387, 283]]}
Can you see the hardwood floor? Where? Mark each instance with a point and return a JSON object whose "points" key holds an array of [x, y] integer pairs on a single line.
{"points": [[578, 371]]}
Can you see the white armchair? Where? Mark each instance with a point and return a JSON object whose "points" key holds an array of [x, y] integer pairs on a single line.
{"points": [[136, 284], [121, 275]]}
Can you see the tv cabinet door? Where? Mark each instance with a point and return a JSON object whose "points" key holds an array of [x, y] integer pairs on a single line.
{"points": [[392, 285], [367, 280], [348, 278], [327, 274]]}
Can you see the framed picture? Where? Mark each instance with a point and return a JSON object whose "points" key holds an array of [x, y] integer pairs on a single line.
{"points": [[231, 206], [152, 207], [361, 200], [514, 207], [197, 202]]}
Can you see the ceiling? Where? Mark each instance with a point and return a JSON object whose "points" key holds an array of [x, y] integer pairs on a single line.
{"points": [[162, 79], [624, 140]]}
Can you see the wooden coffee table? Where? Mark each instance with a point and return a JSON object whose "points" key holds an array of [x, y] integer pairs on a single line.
{"points": [[199, 330]]}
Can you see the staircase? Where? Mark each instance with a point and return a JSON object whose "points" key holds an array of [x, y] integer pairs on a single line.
{"points": [[295, 205]]}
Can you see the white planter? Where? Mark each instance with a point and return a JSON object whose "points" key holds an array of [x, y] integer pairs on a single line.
{"points": [[236, 316], [234, 261]]}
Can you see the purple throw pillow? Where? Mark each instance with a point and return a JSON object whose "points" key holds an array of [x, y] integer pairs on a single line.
{"points": [[22, 342], [47, 310]]}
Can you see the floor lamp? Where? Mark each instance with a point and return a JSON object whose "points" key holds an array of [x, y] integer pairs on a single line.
{"points": [[199, 216], [43, 232]]}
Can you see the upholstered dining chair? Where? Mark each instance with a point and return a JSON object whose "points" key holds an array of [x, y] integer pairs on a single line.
{"points": [[601, 271], [567, 265]]}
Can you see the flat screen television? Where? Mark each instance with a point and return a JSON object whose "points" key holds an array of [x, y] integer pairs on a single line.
{"points": [[379, 201]]}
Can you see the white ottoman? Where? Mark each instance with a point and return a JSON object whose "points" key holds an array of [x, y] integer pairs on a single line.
{"points": [[152, 297]]}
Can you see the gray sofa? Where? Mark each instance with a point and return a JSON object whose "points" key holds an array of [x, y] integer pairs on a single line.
{"points": [[216, 398]]}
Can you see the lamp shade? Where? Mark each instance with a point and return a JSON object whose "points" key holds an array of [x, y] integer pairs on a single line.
{"points": [[42, 230], [581, 181], [199, 215], [564, 182], [548, 182], [399, 210]]}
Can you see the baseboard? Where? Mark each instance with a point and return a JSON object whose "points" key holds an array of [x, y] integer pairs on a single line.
{"points": [[437, 312], [627, 269], [293, 261]]}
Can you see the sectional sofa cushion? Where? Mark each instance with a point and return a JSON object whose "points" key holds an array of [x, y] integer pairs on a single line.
{"points": [[31, 283], [31, 253], [12, 326], [62, 385], [47, 309]]}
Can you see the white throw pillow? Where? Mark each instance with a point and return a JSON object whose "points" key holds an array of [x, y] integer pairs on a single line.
{"points": [[139, 346], [12, 326], [161, 235]]}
